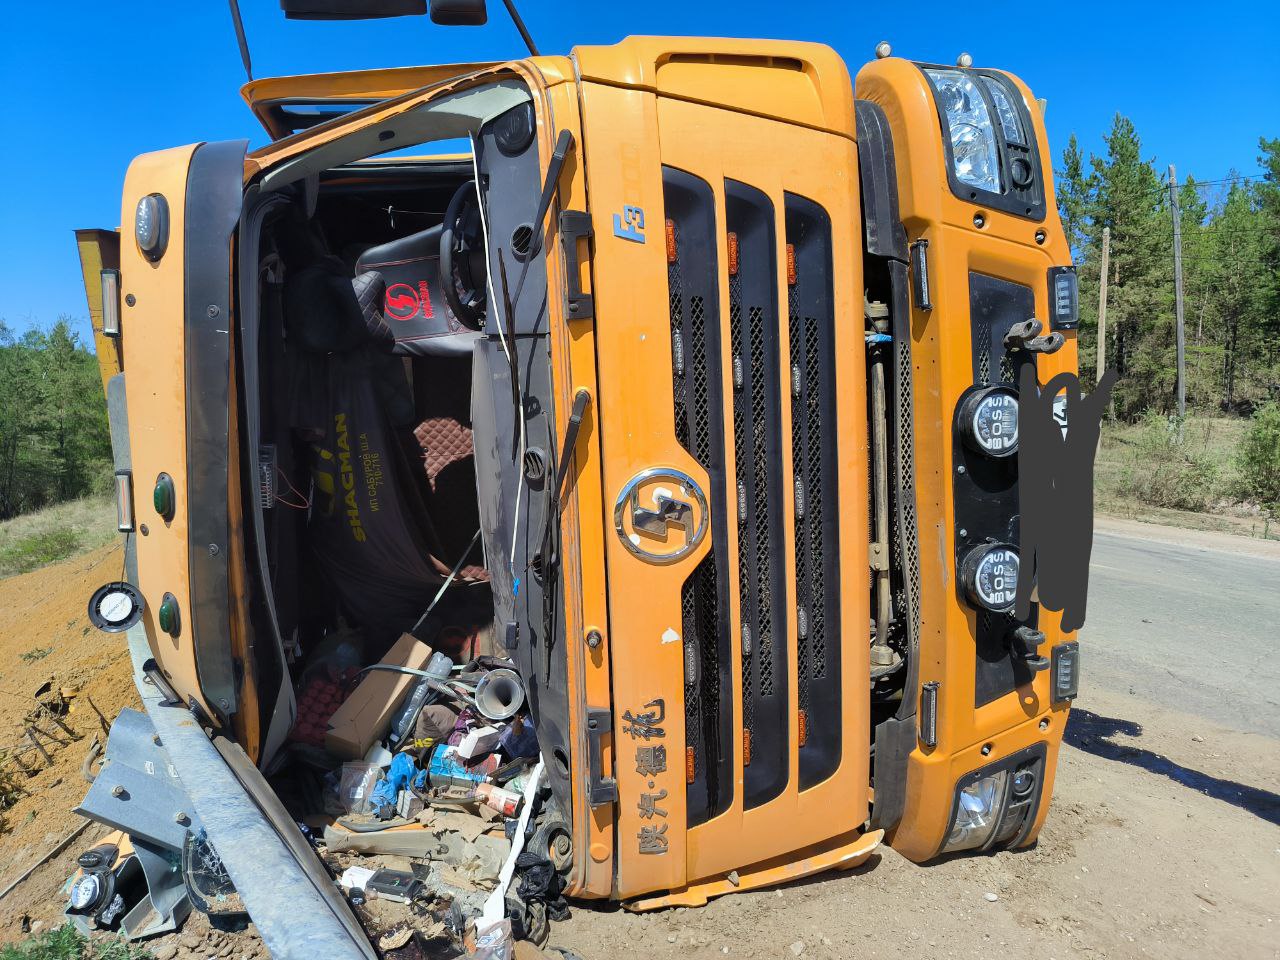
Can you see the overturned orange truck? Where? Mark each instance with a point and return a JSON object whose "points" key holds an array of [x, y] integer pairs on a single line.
{"points": [[712, 354]]}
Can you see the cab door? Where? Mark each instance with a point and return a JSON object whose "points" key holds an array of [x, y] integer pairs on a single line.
{"points": [[179, 213]]}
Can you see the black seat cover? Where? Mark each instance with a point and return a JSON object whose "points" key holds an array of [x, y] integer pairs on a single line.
{"points": [[413, 306]]}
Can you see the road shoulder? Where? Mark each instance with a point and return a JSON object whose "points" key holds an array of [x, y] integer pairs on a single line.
{"points": [[1181, 536]]}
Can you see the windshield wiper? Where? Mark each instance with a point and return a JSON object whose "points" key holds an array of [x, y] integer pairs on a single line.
{"points": [[550, 185]]}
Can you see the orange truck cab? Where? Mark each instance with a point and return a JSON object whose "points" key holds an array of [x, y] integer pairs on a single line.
{"points": [[692, 367]]}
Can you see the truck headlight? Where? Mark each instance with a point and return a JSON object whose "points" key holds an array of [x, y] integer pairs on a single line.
{"points": [[994, 807], [975, 158], [977, 813]]}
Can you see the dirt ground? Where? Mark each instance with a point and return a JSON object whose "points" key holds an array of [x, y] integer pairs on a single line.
{"points": [[1162, 840], [1157, 845], [46, 611]]}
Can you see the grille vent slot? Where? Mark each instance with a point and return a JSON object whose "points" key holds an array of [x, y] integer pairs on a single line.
{"points": [[758, 451], [811, 332], [698, 411]]}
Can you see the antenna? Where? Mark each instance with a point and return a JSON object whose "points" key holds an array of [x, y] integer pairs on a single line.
{"points": [[240, 39], [524, 32]]}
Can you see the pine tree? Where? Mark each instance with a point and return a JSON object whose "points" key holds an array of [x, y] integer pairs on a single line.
{"points": [[1129, 198]]}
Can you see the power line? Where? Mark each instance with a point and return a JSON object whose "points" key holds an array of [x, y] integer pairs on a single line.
{"points": [[1191, 182]]}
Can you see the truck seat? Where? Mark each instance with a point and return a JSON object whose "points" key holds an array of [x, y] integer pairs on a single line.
{"points": [[413, 306]]}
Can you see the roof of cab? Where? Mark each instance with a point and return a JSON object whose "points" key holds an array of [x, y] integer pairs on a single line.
{"points": [[285, 105], [789, 80]]}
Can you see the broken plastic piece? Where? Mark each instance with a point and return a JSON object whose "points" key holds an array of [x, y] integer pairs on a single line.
{"points": [[354, 878]]}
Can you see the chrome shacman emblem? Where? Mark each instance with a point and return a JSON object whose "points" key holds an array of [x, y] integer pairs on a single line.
{"points": [[661, 515]]}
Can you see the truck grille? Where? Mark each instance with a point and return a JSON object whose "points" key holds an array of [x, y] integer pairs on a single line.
{"points": [[761, 378]]}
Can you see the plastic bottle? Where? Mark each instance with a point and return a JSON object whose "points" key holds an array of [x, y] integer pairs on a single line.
{"points": [[438, 667], [505, 802]]}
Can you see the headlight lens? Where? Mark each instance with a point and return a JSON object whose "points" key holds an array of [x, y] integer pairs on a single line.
{"points": [[977, 813], [85, 891], [1004, 108], [974, 156]]}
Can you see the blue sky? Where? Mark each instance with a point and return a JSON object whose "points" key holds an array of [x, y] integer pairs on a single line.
{"points": [[92, 84]]}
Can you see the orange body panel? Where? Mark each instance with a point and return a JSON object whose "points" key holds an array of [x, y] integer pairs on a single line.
{"points": [[799, 83]]}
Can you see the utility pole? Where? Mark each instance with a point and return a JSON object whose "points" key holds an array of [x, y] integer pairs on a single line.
{"points": [[1177, 294], [1102, 303], [1102, 321]]}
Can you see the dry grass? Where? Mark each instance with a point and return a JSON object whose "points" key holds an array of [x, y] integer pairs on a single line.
{"points": [[55, 533], [1139, 479]]}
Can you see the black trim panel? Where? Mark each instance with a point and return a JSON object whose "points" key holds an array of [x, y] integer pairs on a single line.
{"points": [[215, 183], [882, 230], [985, 488]]}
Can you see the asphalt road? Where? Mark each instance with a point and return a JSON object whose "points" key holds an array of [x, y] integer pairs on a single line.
{"points": [[1192, 626]]}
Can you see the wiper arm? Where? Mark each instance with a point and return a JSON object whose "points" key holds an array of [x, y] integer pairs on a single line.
{"points": [[564, 143]]}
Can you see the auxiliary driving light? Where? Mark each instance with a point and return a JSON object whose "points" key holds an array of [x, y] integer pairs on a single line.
{"points": [[1065, 671], [989, 576], [989, 421], [86, 892]]}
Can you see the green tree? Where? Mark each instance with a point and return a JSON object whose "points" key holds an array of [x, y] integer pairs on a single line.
{"points": [[1268, 200], [1075, 197], [54, 443], [1258, 459], [1231, 276], [1234, 254], [1130, 199]]}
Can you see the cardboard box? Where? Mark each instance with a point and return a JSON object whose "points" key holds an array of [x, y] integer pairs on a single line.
{"points": [[366, 715], [478, 742]]}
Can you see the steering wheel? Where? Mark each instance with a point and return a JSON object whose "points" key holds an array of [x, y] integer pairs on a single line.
{"points": [[463, 266]]}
